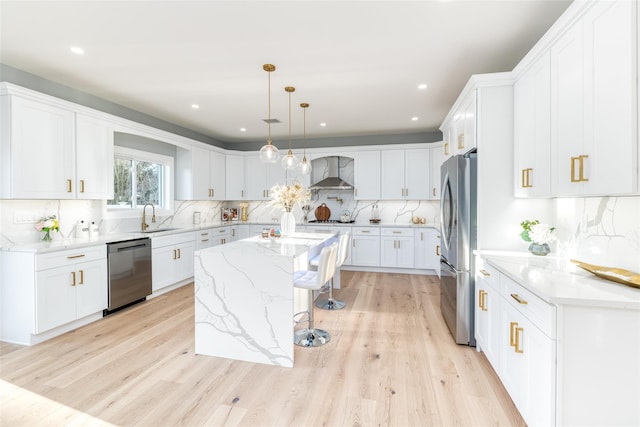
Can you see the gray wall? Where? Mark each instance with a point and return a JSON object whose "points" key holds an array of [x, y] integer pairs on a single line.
{"points": [[34, 82]]}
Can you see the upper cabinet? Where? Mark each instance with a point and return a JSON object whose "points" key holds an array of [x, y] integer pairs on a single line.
{"points": [[532, 125], [593, 114], [50, 152], [405, 174], [366, 179], [459, 128], [234, 171], [261, 177], [200, 174], [437, 158]]}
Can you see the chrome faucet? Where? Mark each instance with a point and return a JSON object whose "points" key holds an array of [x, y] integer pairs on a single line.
{"points": [[144, 216]]}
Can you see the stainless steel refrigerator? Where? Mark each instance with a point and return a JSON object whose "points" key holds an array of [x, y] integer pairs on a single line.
{"points": [[458, 230]]}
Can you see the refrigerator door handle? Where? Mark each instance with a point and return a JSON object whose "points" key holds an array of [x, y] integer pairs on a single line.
{"points": [[448, 264]]}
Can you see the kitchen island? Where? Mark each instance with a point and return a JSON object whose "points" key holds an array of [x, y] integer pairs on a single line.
{"points": [[245, 299]]}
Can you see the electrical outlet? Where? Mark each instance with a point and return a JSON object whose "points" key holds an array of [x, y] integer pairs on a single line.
{"points": [[25, 218]]}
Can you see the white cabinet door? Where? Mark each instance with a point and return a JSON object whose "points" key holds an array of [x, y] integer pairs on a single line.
{"points": [[41, 150], [217, 175], [532, 130], [392, 175], [366, 175], [200, 174], [94, 158], [91, 288], [465, 125], [183, 264], [388, 252], [437, 157], [162, 267], [365, 250], [487, 317], [234, 170], [417, 174], [276, 175], [55, 298], [404, 250], [203, 238], [426, 249], [254, 178]]}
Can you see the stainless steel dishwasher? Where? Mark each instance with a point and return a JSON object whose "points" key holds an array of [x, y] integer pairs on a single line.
{"points": [[129, 265]]}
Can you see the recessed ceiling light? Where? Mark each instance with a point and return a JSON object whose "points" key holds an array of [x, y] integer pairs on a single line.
{"points": [[415, 119], [77, 50], [323, 124], [195, 106], [422, 86], [243, 129]]}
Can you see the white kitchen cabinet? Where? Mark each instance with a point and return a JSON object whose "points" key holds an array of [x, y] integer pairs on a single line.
{"points": [[203, 238], [396, 247], [366, 180], [261, 177], [37, 150], [234, 170], [325, 228], [532, 128], [437, 158], [200, 174], [465, 125], [487, 313], [94, 158], [594, 103], [405, 174], [365, 246], [47, 294], [172, 259], [221, 236], [426, 249]]}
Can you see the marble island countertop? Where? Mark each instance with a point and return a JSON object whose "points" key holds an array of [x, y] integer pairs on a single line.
{"points": [[559, 281]]}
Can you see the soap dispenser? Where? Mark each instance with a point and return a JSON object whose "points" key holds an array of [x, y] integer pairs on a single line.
{"points": [[82, 230]]}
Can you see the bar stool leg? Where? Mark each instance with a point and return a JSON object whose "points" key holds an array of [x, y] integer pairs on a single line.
{"points": [[330, 303], [311, 337]]}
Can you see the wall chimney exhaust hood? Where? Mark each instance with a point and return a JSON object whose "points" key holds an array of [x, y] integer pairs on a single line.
{"points": [[332, 174]]}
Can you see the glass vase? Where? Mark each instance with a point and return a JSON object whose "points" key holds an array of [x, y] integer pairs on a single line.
{"points": [[287, 224], [538, 249], [47, 236]]}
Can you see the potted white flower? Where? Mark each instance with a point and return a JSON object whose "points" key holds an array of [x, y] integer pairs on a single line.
{"points": [[539, 235]]}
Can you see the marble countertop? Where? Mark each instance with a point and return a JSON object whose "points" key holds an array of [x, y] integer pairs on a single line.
{"points": [[559, 281]]}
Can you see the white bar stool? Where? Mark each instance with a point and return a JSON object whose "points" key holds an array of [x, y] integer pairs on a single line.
{"points": [[343, 252], [312, 281]]}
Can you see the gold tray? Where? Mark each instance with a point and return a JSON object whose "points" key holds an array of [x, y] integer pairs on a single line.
{"points": [[618, 275]]}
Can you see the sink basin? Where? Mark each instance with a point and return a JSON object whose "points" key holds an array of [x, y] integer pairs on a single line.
{"points": [[158, 230]]}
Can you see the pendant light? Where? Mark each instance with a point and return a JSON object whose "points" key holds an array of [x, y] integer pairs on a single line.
{"points": [[290, 161], [305, 165], [269, 152]]}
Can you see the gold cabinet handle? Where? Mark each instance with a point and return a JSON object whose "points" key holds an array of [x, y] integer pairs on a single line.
{"points": [[422, 235], [512, 338], [233, 232], [398, 244], [73, 278], [397, 232], [438, 250], [69, 186], [526, 178], [222, 231], [581, 170], [573, 169], [433, 191], [517, 347], [485, 273], [365, 231], [517, 298], [242, 193], [481, 300], [529, 184], [174, 254], [580, 162], [461, 141], [81, 277], [204, 240], [179, 254], [82, 185], [213, 192], [75, 256], [446, 148]]}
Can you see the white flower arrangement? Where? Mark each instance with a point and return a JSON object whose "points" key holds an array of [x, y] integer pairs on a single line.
{"points": [[535, 232], [287, 196]]}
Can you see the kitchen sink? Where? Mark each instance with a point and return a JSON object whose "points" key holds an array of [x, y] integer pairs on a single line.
{"points": [[158, 230]]}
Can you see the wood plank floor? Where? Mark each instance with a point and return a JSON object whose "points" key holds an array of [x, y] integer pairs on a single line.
{"points": [[391, 362]]}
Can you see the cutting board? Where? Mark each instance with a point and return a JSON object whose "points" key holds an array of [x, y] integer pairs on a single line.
{"points": [[322, 212]]}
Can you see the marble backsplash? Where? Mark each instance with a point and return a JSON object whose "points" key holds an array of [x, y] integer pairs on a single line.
{"points": [[597, 230]]}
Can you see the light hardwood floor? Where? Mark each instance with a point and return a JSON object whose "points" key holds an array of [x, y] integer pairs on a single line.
{"points": [[390, 362]]}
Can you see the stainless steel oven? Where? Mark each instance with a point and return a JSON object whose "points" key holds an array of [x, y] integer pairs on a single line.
{"points": [[129, 265]]}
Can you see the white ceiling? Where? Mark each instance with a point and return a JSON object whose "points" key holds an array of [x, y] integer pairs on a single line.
{"points": [[357, 63]]}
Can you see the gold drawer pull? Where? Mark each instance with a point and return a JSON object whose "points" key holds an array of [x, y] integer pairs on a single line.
{"points": [[81, 277], [82, 185], [73, 278], [438, 250], [512, 339], [517, 298], [75, 256], [485, 273], [69, 186], [517, 343], [365, 231]]}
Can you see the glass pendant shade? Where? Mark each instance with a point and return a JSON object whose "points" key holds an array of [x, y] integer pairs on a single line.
{"points": [[305, 166], [290, 161], [269, 153]]}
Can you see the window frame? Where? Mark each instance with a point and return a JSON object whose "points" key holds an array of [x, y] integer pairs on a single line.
{"points": [[167, 163]]}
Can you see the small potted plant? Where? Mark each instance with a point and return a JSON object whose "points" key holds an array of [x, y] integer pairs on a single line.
{"points": [[539, 235], [47, 225]]}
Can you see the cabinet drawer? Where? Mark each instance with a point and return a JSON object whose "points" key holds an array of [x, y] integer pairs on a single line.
{"points": [[365, 231], [396, 232], [221, 231], [203, 238], [172, 239], [70, 257], [487, 272], [540, 313]]}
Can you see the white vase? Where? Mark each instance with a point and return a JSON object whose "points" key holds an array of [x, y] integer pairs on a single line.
{"points": [[287, 224]]}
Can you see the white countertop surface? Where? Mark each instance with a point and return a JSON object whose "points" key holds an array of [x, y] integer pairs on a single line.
{"points": [[559, 281]]}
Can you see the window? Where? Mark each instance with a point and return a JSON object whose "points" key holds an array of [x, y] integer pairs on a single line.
{"points": [[141, 178]]}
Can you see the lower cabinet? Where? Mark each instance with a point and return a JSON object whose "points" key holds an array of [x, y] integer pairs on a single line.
{"points": [[487, 313], [426, 252], [172, 259], [365, 246], [41, 292], [396, 247]]}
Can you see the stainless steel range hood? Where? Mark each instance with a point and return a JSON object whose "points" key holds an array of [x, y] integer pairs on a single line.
{"points": [[332, 180]]}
